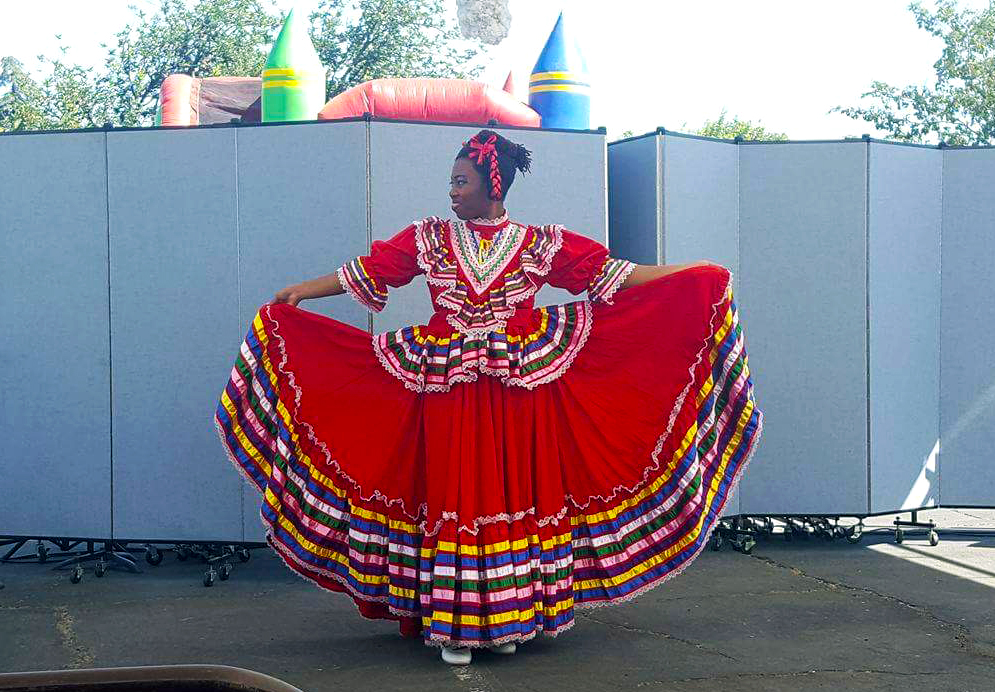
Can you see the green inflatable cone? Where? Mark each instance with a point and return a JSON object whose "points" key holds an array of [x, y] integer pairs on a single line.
{"points": [[293, 79]]}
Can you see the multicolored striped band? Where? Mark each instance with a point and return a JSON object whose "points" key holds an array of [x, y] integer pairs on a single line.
{"points": [[508, 578]]}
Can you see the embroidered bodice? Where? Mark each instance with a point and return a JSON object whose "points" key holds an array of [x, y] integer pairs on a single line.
{"points": [[483, 276]]}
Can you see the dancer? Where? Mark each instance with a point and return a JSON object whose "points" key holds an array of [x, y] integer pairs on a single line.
{"points": [[480, 477]]}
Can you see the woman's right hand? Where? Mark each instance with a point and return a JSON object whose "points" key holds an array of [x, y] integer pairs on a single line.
{"points": [[291, 294]]}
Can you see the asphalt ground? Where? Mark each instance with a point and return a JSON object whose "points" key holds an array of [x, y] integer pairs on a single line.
{"points": [[799, 615]]}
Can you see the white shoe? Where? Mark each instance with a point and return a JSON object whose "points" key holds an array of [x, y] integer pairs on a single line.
{"points": [[507, 648], [456, 657]]}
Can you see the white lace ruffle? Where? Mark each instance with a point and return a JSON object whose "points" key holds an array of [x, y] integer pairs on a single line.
{"points": [[479, 365], [472, 526]]}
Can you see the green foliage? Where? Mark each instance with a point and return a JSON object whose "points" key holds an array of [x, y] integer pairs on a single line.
{"points": [[67, 98], [22, 107], [730, 128], [356, 39], [959, 108], [389, 38], [211, 39]]}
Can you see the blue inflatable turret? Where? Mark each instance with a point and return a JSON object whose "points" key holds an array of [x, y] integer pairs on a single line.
{"points": [[559, 89]]}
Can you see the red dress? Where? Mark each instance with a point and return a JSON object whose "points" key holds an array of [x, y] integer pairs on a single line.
{"points": [[493, 470]]}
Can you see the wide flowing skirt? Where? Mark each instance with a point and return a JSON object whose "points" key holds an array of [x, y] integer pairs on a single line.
{"points": [[490, 512]]}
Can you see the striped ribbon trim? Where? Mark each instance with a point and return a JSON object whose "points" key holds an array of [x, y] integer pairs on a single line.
{"points": [[366, 289], [468, 316], [612, 275], [427, 363], [511, 578]]}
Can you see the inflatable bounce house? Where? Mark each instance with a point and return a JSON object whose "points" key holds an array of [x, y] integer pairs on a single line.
{"points": [[292, 88]]}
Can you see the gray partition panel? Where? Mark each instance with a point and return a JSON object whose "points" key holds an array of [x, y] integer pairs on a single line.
{"points": [[410, 166], [967, 395], [904, 253], [700, 211], [301, 214], [700, 201], [175, 331], [301, 211], [802, 298], [55, 388], [635, 219]]}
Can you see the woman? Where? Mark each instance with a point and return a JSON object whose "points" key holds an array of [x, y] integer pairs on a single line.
{"points": [[479, 477]]}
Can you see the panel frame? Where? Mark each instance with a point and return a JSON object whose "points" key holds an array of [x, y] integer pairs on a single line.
{"points": [[61, 291], [197, 497], [965, 328], [905, 215], [635, 208], [287, 182], [783, 171]]}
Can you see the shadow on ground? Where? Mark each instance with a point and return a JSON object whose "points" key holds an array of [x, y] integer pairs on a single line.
{"points": [[804, 615]]}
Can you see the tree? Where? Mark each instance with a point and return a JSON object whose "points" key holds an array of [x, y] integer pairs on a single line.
{"points": [[67, 98], [23, 106], [211, 39], [730, 128], [959, 108], [390, 38], [356, 39]]}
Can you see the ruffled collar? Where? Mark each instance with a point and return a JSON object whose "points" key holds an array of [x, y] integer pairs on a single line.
{"points": [[487, 227]]}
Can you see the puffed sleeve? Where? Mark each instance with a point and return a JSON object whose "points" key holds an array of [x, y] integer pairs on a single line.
{"points": [[391, 262], [582, 264]]}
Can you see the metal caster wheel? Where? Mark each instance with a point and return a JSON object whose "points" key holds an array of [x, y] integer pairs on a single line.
{"points": [[100, 569], [224, 571], [76, 576], [209, 577], [853, 535], [934, 537], [42, 552], [182, 554], [747, 545], [716, 541], [899, 535], [153, 556], [243, 554]]}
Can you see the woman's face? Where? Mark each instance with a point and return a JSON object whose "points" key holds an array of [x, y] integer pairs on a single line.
{"points": [[467, 191]]}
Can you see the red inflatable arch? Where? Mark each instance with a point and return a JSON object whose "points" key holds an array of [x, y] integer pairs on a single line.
{"points": [[432, 99]]}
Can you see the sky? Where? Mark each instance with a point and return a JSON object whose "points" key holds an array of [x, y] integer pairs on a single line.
{"points": [[663, 63]]}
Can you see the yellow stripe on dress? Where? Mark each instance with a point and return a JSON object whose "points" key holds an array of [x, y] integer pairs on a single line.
{"points": [[688, 538], [284, 414], [693, 534], [611, 513], [520, 615], [247, 446], [499, 547]]}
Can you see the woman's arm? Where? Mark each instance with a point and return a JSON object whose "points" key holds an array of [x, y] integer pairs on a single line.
{"points": [[366, 278], [327, 285], [646, 272]]}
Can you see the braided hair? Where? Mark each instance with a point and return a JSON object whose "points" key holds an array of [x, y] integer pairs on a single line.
{"points": [[496, 159]]}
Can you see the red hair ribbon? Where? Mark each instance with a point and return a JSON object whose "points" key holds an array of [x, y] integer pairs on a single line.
{"points": [[487, 149]]}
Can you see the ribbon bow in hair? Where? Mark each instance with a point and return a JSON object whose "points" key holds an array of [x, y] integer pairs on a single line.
{"points": [[483, 150]]}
